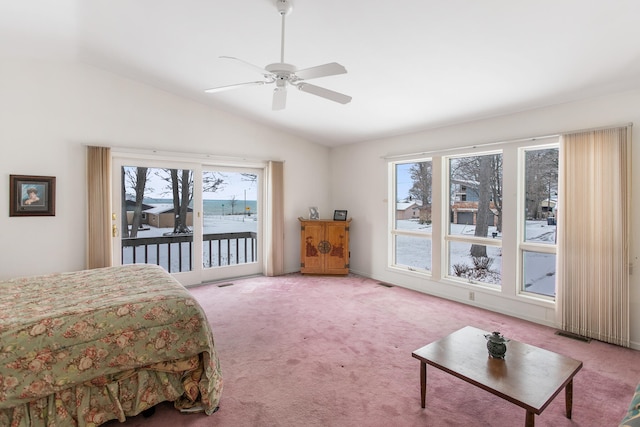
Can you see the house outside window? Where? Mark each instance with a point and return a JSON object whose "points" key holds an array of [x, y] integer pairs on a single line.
{"points": [[473, 237], [411, 216]]}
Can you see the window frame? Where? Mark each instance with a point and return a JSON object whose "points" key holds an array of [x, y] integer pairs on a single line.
{"points": [[438, 281], [394, 232], [449, 238], [197, 163], [523, 245]]}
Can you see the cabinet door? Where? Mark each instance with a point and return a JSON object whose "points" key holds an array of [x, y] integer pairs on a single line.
{"points": [[337, 258], [311, 257]]}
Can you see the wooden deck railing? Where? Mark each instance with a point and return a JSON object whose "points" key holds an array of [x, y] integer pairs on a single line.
{"points": [[175, 253]]}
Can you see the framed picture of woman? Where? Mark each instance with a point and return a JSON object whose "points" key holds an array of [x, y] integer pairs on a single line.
{"points": [[31, 195]]}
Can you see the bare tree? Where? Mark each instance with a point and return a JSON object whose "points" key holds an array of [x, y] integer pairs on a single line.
{"points": [[136, 179], [124, 220], [249, 177], [420, 174], [483, 176], [541, 180], [484, 205], [182, 195], [212, 181], [180, 183], [496, 188]]}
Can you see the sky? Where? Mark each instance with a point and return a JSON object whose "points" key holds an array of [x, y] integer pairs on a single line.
{"points": [[403, 180], [234, 186]]}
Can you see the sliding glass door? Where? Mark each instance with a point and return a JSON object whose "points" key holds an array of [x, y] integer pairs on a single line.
{"points": [[198, 222], [231, 221]]}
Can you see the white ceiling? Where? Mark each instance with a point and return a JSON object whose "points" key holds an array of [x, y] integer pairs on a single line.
{"points": [[412, 65]]}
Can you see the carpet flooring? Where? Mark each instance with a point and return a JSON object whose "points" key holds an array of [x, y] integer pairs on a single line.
{"points": [[336, 351]]}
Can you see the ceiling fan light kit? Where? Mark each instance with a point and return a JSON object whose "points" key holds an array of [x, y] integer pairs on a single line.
{"points": [[284, 6], [283, 74]]}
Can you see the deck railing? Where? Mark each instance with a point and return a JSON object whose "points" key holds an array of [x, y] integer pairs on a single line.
{"points": [[175, 253]]}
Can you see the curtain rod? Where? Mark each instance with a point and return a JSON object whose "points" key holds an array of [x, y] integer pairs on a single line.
{"points": [[489, 144], [630, 124]]}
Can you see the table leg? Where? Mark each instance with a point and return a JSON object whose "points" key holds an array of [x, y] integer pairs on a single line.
{"points": [[423, 383], [568, 397], [530, 420]]}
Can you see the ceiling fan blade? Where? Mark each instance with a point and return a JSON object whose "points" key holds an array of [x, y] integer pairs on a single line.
{"points": [[324, 93], [235, 86], [279, 98], [249, 65], [330, 69]]}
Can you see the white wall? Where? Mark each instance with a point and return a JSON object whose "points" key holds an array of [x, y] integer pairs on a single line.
{"points": [[360, 185], [50, 110]]}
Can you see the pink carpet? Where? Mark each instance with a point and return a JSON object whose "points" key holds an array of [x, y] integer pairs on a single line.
{"points": [[336, 351]]}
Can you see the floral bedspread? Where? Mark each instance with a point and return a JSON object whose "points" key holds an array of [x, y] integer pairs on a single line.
{"points": [[61, 334]]}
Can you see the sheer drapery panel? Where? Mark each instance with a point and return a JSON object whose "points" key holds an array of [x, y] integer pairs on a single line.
{"points": [[274, 233], [99, 207], [594, 232]]}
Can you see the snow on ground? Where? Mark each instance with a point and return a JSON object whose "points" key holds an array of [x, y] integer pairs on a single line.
{"points": [[213, 224], [539, 268], [411, 251]]}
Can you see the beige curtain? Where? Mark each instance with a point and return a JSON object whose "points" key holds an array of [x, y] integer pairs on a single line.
{"points": [[274, 231], [594, 233], [99, 207]]}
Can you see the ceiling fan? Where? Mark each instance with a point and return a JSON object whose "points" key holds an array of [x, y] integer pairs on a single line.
{"points": [[283, 74]]}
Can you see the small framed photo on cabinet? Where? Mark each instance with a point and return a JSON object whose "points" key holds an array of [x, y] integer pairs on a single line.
{"points": [[314, 213], [339, 215]]}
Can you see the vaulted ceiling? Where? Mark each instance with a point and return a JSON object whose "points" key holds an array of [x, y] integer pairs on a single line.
{"points": [[412, 65]]}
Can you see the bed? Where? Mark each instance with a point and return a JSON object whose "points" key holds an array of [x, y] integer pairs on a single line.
{"points": [[86, 347]]}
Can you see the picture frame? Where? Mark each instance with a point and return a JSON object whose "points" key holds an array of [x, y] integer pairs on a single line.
{"points": [[32, 195], [339, 215], [314, 213]]}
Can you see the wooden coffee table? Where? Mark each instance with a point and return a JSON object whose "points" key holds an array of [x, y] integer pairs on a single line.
{"points": [[528, 376]]}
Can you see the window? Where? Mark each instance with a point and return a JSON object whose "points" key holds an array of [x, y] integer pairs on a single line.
{"points": [[411, 215], [482, 220], [539, 238], [474, 232]]}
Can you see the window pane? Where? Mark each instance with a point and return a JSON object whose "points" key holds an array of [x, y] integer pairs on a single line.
{"points": [[230, 221], [475, 191], [413, 252], [539, 273], [541, 231], [157, 208], [484, 266], [541, 195], [413, 195]]}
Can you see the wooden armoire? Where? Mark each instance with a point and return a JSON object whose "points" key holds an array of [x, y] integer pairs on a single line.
{"points": [[324, 246]]}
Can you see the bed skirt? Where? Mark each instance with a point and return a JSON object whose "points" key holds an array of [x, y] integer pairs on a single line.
{"points": [[83, 348]]}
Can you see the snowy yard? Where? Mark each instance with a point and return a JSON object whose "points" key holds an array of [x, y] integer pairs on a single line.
{"points": [[539, 268], [411, 251], [178, 254]]}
